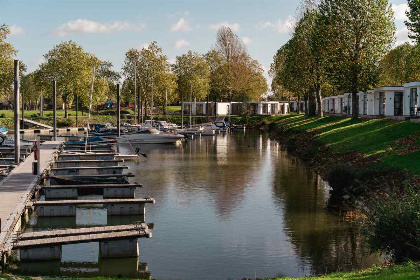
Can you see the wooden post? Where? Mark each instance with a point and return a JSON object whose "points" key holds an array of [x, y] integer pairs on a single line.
{"points": [[23, 110], [41, 105], [166, 103], [55, 109], [77, 109], [138, 105], [182, 109], [190, 105], [118, 111], [135, 88], [17, 107]]}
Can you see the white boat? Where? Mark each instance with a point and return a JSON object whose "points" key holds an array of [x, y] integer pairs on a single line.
{"points": [[208, 130], [150, 136]]}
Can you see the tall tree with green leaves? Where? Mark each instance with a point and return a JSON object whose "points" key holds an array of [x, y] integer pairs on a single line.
{"points": [[396, 67], [193, 76], [7, 55], [152, 71], [413, 22], [72, 68], [356, 35]]}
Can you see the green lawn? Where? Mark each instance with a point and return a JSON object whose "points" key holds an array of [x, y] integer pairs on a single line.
{"points": [[404, 272], [367, 136], [409, 271]]}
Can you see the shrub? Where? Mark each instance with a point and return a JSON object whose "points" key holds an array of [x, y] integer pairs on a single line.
{"points": [[392, 224], [2, 115], [62, 122], [341, 178]]}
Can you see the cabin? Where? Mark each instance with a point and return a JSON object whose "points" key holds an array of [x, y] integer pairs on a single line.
{"points": [[411, 99], [264, 107], [294, 106], [388, 101]]}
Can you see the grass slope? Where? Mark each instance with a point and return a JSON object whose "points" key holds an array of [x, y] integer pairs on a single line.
{"points": [[367, 136], [410, 271], [403, 272]]}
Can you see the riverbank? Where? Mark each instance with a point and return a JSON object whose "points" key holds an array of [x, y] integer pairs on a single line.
{"points": [[408, 271], [356, 157]]}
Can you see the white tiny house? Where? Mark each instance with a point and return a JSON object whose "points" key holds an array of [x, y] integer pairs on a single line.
{"points": [[388, 101], [411, 98]]}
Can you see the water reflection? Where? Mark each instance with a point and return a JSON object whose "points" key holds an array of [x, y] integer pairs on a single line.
{"points": [[230, 206]]}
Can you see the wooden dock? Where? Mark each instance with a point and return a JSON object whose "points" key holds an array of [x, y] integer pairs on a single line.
{"points": [[16, 190], [85, 238], [79, 231], [93, 186], [94, 201]]}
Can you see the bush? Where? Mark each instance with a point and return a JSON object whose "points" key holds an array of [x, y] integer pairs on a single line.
{"points": [[2, 115], [392, 225], [62, 122], [341, 178]]}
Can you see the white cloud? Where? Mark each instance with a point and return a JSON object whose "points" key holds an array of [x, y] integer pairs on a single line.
{"points": [[280, 26], [16, 30], [233, 26], [246, 40], [88, 26], [181, 25], [402, 36], [144, 46], [181, 43], [399, 11]]}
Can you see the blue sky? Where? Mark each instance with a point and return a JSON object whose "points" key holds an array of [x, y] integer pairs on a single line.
{"points": [[109, 28]]}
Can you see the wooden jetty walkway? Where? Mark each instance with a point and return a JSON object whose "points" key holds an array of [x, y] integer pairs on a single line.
{"points": [[92, 186], [95, 201], [86, 238], [16, 190], [79, 231], [38, 124]]}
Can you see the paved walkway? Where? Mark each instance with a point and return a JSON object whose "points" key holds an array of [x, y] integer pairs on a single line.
{"points": [[15, 189]]}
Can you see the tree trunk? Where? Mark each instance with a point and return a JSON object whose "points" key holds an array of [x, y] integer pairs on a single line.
{"points": [[319, 102], [312, 104], [298, 104], [354, 102], [306, 99]]}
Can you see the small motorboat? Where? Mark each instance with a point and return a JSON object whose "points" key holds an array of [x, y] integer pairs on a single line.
{"points": [[150, 136]]}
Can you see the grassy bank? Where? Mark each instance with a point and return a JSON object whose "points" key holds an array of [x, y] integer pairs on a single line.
{"points": [[376, 143], [409, 271]]}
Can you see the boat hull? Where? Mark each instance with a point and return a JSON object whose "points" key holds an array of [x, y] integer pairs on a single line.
{"points": [[149, 139]]}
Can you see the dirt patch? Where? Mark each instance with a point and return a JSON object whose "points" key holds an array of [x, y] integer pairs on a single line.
{"points": [[407, 145]]}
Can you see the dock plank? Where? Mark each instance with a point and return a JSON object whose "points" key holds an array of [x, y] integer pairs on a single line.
{"points": [[82, 238], [16, 188], [94, 201]]}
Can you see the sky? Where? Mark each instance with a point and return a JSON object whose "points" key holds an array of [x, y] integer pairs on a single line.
{"points": [[110, 28]]}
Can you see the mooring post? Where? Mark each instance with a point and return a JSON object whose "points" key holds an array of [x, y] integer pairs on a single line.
{"points": [[182, 109], [55, 109], [77, 109], [41, 105], [23, 110], [118, 111], [138, 106], [17, 119]]}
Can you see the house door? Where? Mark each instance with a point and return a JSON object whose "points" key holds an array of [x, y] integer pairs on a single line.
{"points": [[413, 102], [365, 104], [398, 104], [381, 103]]}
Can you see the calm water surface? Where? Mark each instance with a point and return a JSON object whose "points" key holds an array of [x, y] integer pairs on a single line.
{"points": [[226, 207]]}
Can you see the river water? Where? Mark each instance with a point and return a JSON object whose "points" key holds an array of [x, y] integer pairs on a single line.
{"points": [[227, 207]]}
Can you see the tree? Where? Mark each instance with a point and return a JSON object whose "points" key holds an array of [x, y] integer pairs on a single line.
{"points": [[234, 74], [29, 89], [72, 68], [193, 75], [356, 35], [7, 54], [154, 77], [413, 22], [395, 67]]}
